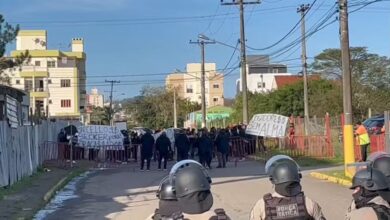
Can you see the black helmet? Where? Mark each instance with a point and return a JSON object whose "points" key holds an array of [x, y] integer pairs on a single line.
{"points": [[273, 161], [381, 162], [189, 176], [285, 171], [165, 190], [370, 179]]}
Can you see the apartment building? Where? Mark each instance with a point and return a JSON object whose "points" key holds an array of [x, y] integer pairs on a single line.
{"points": [[261, 74], [95, 99], [55, 79], [188, 86]]}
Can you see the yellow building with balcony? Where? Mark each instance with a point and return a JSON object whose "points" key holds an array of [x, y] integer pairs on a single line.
{"points": [[55, 80]]}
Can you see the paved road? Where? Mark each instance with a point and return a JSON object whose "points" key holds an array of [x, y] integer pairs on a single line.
{"points": [[126, 193]]}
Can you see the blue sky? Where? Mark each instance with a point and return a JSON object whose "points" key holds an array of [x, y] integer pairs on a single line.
{"points": [[150, 38]]}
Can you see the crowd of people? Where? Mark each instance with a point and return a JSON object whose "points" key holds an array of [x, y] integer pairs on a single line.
{"points": [[202, 145], [186, 193]]}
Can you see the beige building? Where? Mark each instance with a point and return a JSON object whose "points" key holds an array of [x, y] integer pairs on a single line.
{"points": [[187, 84], [95, 99], [54, 79]]}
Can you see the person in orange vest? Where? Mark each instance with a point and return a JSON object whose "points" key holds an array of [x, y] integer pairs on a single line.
{"points": [[363, 139]]}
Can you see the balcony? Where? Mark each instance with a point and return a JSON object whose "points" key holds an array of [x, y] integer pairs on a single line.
{"points": [[38, 93], [34, 71]]}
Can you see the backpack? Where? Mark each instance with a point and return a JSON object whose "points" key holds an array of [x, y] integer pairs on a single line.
{"points": [[291, 208]]}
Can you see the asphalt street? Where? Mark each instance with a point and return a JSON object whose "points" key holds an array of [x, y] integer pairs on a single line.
{"points": [[125, 193]]}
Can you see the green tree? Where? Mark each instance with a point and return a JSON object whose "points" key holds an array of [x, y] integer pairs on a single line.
{"points": [[100, 116], [7, 35], [154, 108]]}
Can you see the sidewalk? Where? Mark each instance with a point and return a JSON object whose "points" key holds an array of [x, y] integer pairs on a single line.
{"points": [[34, 192]]}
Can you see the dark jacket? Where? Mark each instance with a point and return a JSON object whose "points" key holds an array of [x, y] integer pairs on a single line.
{"points": [[222, 142], [147, 141], [205, 144], [182, 143], [163, 144]]}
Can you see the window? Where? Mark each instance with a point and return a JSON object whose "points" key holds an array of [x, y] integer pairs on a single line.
{"points": [[51, 64], [189, 89], [17, 82], [64, 60], [215, 99], [261, 85], [65, 82], [216, 86], [275, 70], [49, 81], [65, 103], [37, 63], [50, 101], [28, 85]]}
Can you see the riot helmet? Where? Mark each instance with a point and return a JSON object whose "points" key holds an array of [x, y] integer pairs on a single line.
{"points": [[370, 179], [273, 161], [381, 162], [165, 190], [191, 184]]}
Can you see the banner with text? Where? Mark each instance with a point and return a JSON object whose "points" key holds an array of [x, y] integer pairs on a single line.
{"points": [[267, 125], [96, 136]]}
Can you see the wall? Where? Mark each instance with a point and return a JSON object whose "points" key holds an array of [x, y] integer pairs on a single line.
{"points": [[23, 150]]}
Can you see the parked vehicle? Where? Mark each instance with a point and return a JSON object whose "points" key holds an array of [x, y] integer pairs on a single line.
{"points": [[374, 124]]}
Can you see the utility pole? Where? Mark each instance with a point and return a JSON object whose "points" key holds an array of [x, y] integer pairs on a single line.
{"points": [[349, 155], [110, 110], [174, 108], [241, 3], [202, 40], [303, 9]]}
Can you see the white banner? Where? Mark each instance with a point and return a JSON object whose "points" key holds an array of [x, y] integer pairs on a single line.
{"points": [[268, 125], [96, 136], [12, 111]]}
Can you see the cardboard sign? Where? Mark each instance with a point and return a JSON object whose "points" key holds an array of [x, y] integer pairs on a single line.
{"points": [[97, 136], [267, 125]]}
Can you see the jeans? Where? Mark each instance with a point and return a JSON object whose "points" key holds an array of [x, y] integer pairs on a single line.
{"points": [[143, 158], [160, 157], [363, 150]]}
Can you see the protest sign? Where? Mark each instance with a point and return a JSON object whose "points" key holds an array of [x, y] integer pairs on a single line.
{"points": [[267, 125], [96, 136]]}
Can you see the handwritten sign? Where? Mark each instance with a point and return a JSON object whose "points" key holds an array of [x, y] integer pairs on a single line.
{"points": [[267, 125], [12, 112], [97, 136]]}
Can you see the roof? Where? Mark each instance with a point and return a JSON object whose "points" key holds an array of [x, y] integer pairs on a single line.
{"points": [[13, 92], [284, 80]]}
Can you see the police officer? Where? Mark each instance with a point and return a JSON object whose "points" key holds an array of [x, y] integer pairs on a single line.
{"points": [[368, 204], [288, 201], [191, 184], [168, 207]]}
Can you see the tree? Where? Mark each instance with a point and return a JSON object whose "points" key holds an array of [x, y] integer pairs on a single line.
{"points": [[100, 116], [8, 34], [370, 77], [154, 108]]}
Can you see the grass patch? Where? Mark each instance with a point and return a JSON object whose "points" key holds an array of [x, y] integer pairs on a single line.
{"points": [[21, 184], [337, 173]]}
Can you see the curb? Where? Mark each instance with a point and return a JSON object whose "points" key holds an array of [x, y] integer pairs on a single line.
{"points": [[52, 191], [256, 158], [332, 179]]}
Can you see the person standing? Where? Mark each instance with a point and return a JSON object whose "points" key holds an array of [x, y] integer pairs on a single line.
{"points": [[163, 146], [205, 148], [182, 144], [147, 143], [288, 201], [363, 139], [222, 143]]}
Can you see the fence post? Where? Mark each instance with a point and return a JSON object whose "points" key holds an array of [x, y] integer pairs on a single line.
{"points": [[387, 131]]}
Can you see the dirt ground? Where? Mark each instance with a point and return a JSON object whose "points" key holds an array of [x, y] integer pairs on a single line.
{"points": [[23, 202]]}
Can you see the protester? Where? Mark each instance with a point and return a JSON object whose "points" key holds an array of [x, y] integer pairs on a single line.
{"points": [[222, 143], [288, 201], [163, 147], [147, 141], [182, 144], [205, 148]]}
